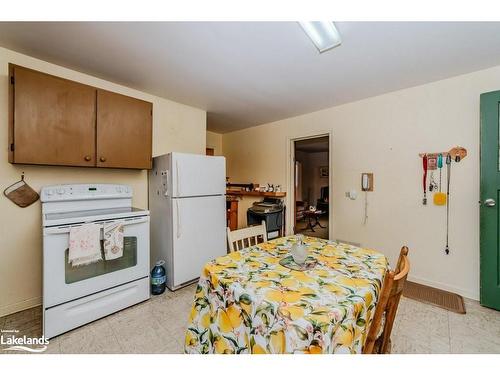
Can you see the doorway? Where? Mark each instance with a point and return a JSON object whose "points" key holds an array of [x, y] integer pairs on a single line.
{"points": [[311, 186]]}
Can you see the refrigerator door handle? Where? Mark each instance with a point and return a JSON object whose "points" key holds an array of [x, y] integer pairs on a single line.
{"points": [[165, 182], [167, 185], [179, 229], [178, 181]]}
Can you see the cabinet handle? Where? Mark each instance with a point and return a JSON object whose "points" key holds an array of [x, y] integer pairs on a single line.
{"points": [[102, 159], [87, 158]]}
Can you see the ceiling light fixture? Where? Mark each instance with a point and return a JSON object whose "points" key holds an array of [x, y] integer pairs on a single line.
{"points": [[323, 34]]}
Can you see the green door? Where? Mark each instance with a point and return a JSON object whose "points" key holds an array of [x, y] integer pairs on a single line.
{"points": [[490, 198]]}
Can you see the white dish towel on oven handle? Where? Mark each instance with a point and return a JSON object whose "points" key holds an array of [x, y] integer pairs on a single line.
{"points": [[84, 244], [113, 240]]}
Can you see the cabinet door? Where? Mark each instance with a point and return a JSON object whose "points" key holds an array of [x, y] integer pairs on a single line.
{"points": [[124, 130], [52, 121]]}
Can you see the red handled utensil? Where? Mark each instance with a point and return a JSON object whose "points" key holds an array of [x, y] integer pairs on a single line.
{"points": [[424, 164]]}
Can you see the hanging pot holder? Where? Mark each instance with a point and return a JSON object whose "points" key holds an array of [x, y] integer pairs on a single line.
{"points": [[21, 193]]}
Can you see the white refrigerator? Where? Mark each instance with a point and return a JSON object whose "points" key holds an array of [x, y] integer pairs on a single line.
{"points": [[187, 203]]}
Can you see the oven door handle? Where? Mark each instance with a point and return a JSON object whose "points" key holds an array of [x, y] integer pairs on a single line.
{"points": [[66, 228]]}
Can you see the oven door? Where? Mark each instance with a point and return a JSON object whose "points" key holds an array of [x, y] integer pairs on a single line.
{"points": [[63, 282]]}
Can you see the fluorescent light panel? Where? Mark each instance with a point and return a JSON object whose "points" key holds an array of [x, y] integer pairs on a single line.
{"points": [[323, 34]]}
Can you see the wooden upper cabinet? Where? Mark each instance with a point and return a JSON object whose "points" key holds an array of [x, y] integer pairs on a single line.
{"points": [[124, 131], [52, 120]]}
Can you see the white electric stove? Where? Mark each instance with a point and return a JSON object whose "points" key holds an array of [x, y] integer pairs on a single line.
{"points": [[73, 296]]}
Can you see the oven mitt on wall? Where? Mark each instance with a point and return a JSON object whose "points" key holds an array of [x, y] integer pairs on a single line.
{"points": [[21, 193]]}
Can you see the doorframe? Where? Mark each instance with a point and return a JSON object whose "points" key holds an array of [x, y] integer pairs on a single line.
{"points": [[290, 181]]}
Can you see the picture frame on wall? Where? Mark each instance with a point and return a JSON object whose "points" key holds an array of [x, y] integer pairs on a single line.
{"points": [[323, 172]]}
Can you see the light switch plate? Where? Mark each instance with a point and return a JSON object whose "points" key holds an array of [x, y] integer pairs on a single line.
{"points": [[352, 194]]}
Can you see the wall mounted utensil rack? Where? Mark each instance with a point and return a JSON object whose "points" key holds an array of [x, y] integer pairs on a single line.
{"points": [[436, 161], [433, 154], [455, 152]]}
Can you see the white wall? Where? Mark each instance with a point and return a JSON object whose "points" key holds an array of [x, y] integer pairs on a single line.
{"points": [[176, 127], [384, 135], [214, 140]]}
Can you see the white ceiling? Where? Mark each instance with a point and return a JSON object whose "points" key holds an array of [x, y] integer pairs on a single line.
{"points": [[250, 73]]}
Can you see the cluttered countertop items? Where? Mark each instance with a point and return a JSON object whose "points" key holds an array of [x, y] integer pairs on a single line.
{"points": [[251, 189]]}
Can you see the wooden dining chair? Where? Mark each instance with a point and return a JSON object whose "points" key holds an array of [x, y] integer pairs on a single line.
{"points": [[236, 239], [390, 294]]}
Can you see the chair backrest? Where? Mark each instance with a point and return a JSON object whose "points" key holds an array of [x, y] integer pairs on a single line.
{"points": [[390, 294], [236, 239]]}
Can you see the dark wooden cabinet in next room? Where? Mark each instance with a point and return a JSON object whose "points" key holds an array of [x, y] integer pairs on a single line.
{"points": [[55, 121]]}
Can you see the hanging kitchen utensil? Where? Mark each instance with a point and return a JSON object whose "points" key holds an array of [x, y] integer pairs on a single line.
{"points": [[448, 175], [458, 153], [424, 164], [433, 186], [440, 166], [440, 197], [431, 162], [21, 193]]}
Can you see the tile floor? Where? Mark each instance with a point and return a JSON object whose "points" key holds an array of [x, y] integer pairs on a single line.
{"points": [[158, 326]]}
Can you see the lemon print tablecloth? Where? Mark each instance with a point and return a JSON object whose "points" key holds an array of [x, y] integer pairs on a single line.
{"points": [[246, 302]]}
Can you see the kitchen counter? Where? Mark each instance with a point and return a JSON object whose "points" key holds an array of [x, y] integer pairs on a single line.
{"points": [[273, 194]]}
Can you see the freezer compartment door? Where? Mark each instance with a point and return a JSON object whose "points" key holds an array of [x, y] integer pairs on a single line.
{"points": [[199, 235], [197, 175]]}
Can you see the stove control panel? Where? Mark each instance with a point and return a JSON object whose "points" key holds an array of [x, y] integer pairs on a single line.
{"points": [[72, 192]]}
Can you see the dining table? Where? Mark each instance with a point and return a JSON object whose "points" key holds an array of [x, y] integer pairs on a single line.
{"points": [[257, 300]]}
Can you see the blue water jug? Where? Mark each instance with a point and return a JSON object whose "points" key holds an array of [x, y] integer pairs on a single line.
{"points": [[158, 278]]}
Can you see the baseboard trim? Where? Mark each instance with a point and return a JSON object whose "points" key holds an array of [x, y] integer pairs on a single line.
{"points": [[20, 306], [450, 288]]}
